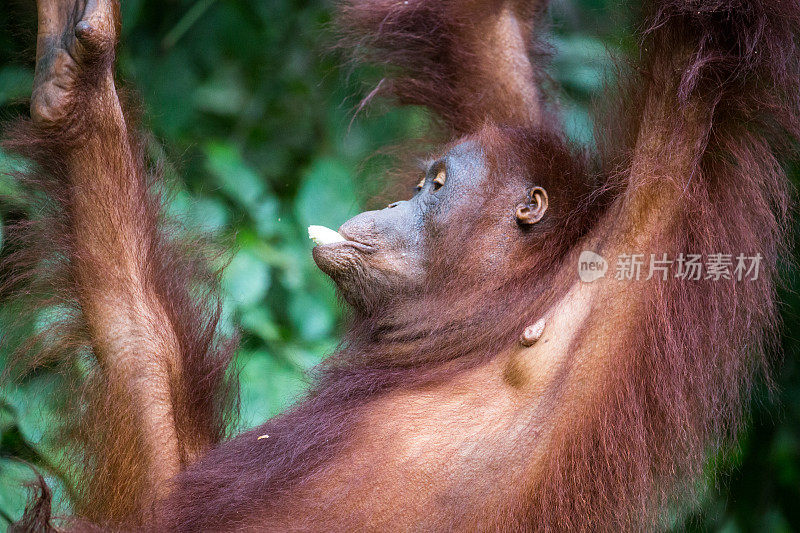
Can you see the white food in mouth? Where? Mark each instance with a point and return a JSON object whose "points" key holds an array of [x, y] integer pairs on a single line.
{"points": [[322, 235]]}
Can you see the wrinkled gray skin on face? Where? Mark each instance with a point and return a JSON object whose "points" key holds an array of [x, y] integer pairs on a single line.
{"points": [[385, 252]]}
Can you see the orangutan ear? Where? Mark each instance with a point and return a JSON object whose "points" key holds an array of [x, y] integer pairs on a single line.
{"points": [[533, 209]]}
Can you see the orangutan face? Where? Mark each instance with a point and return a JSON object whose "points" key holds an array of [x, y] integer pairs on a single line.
{"points": [[383, 254]]}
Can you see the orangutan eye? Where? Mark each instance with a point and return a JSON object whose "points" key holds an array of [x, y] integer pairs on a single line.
{"points": [[420, 185], [439, 180]]}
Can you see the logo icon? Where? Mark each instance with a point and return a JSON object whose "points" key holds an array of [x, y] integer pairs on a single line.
{"points": [[591, 266]]}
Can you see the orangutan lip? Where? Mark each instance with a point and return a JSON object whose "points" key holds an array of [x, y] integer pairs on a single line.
{"points": [[364, 247], [327, 239], [361, 247]]}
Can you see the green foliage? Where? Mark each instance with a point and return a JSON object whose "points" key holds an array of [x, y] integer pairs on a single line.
{"points": [[252, 116]]}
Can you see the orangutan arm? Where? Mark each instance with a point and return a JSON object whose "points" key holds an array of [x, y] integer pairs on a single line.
{"points": [[113, 232], [153, 403], [467, 61]]}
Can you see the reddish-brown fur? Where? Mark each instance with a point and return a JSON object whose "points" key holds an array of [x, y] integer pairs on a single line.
{"points": [[53, 263], [431, 416], [448, 57]]}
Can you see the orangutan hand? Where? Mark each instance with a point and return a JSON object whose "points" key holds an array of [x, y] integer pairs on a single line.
{"points": [[75, 52]]}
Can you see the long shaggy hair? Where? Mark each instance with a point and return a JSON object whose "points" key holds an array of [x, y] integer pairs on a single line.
{"points": [[721, 95], [678, 386], [39, 281], [433, 51]]}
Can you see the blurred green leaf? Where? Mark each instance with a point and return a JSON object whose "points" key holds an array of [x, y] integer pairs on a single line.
{"points": [[266, 215], [15, 82], [209, 215], [327, 196], [582, 63], [224, 94], [260, 322], [235, 177], [311, 316], [269, 385], [246, 279], [578, 123], [13, 494]]}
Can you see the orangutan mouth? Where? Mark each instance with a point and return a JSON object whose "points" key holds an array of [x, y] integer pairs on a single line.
{"points": [[322, 236]]}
